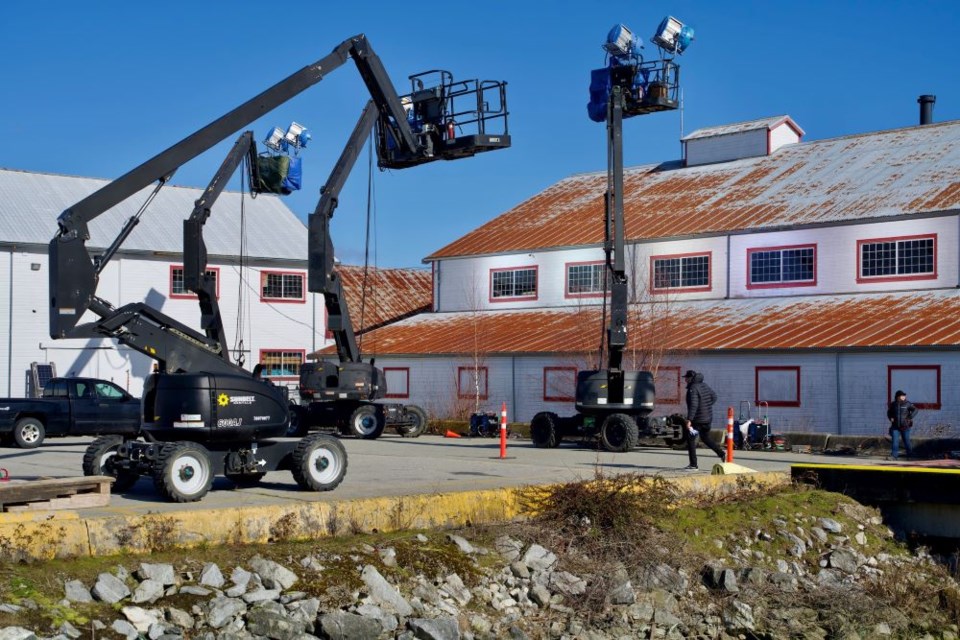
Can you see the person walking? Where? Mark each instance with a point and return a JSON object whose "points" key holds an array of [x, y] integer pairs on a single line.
{"points": [[700, 400], [900, 413]]}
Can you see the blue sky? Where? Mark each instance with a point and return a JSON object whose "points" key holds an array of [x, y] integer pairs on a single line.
{"points": [[96, 88]]}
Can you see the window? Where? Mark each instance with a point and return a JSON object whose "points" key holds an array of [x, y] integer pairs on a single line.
{"points": [[281, 363], [667, 384], [688, 272], [907, 258], [277, 286], [921, 382], [782, 266], [777, 386], [177, 290], [513, 284], [585, 279], [559, 384], [109, 391], [398, 382], [470, 381]]}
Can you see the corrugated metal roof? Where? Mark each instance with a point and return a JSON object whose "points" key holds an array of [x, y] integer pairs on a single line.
{"points": [[740, 127], [890, 320], [31, 202], [877, 175], [391, 294]]}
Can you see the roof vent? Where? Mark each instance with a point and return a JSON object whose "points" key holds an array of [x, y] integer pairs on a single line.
{"points": [[740, 140], [926, 108]]}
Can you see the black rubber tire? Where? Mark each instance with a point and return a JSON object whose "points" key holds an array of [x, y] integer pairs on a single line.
{"points": [[544, 431], [418, 422], [319, 463], [28, 433], [367, 422], [182, 472], [245, 479], [618, 433], [96, 462], [298, 425]]}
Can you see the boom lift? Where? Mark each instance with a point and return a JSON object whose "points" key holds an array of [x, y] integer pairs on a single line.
{"points": [[613, 404], [202, 414]]}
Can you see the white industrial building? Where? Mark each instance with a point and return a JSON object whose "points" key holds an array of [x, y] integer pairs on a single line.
{"points": [[815, 278]]}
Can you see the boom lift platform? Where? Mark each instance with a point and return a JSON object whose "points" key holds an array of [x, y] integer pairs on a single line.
{"points": [[202, 414]]}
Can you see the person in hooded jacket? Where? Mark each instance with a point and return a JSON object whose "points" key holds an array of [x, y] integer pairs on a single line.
{"points": [[900, 413], [700, 400]]}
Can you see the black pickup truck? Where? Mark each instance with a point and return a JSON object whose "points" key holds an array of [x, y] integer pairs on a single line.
{"points": [[69, 407]]}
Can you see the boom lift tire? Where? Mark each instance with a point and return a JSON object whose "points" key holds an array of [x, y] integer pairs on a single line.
{"points": [[97, 462], [319, 463], [618, 433], [543, 430], [367, 422], [28, 433], [182, 471], [418, 422], [299, 425]]}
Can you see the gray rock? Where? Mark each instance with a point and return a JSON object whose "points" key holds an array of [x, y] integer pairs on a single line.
{"points": [[784, 581], [845, 560], [782, 566], [75, 591], [622, 594], [427, 592], [454, 587], [665, 618], [540, 595], [110, 589], [194, 590], [797, 546], [126, 629], [149, 590], [831, 525], [179, 617], [17, 633], [434, 629], [829, 578], [388, 621], [305, 610], [663, 576], [383, 593], [10, 608], [211, 576], [223, 610], [728, 581], [240, 577], [261, 595], [819, 534], [567, 583], [480, 625], [519, 569], [508, 547], [69, 631], [860, 538], [162, 573], [539, 559], [461, 543], [141, 618], [738, 617], [274, 575], [163, 630], [341, 625], [754, 576], [275, 626], [389, 556]]}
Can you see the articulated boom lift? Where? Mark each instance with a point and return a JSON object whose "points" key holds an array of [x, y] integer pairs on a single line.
{"points": [[202, 414]]}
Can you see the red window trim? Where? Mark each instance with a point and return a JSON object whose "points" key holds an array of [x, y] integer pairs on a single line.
{"points": [[188, 295], [536, 271], [672, 256], [861, 279], [303, 358], [549, 398], [406, 370], [566, 280], [303, 285], [782, 285], [661, 399], [775, 403], [919, 405], [486, 383]]}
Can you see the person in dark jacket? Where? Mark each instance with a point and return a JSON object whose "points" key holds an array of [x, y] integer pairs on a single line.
{"points": [[900, 413], [700, 400]]}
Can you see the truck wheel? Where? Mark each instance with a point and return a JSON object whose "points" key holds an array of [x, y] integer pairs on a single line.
{"points": [[98, 461], [618, 433], [28, 433], [319, 463], [298, 425], [366, 422], [417, 422], [182, 472], [543, 430]]}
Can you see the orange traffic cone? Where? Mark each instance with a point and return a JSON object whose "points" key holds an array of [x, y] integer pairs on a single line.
{"points": [[451, 434]]}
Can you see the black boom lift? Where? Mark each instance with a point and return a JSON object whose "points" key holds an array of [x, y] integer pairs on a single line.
{"points": [[202, 414]]}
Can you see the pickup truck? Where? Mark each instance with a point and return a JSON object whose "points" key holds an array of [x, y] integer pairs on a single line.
{"points": [[69, 407]]}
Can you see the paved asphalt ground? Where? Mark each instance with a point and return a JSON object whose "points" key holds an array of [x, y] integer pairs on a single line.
{"points": [[394, 466]]}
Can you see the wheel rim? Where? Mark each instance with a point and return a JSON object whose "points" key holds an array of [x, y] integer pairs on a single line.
{"points": [[30, 433], [189, 474], [365, 424], [105, 461], [324, 465], [616, 434]]}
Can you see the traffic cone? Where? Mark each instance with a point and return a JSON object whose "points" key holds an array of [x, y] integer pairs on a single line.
{"points": [[451, 434]]}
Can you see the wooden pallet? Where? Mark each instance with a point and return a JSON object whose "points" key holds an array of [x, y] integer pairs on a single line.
{"points": [[55, 493]]}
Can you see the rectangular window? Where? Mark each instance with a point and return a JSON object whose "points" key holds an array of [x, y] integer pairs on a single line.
{"points": [[667, 385], [782, 267], [471, 381], [513, 284], [921, 383], [585, 279], [276, 286], [398, 382], [907, 258], [687, 272], [177, 290], [559, 384], [777, 386], [282, 363]]}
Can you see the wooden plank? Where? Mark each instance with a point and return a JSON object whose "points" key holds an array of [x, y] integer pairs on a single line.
{"points": [[55, 493]]}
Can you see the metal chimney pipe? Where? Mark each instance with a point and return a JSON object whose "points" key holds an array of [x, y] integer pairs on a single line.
{"points": [[926, 108]]}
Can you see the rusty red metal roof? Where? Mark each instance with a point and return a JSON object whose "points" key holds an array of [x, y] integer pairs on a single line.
{"points": [[914, 170], [893, 320], [391, 294]]}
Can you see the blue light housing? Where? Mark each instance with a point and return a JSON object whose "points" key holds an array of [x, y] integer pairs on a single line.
{"points": [[622, 42], [672, 35]]}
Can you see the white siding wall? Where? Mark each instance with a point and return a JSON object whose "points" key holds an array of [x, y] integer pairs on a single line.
{"points": [[746, 144], [782, 135]]}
